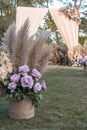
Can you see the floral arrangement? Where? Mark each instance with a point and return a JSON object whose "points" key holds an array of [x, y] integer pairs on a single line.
{"points": [[28, 58], [83, 61], [5, 67], [71, 13], [76, 58], [24, 85]]}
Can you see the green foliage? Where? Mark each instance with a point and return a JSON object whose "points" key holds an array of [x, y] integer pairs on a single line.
{"points": [[82, 39], [25, 93], [8, 8], [55, 35], [31, 2], [50, 23], [83, 25], [7, 15]]}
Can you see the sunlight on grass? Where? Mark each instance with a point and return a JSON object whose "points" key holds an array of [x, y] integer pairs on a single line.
{"points": [[64, 106]]}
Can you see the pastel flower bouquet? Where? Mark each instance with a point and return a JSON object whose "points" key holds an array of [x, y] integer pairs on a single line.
{"points": [[76, 58], [83, 61], [5, 67], [28, 58], [23, 85], [5, 70]]}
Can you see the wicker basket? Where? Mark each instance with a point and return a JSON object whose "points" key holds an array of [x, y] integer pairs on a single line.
{"points": [[85, 68], [23, 109]]}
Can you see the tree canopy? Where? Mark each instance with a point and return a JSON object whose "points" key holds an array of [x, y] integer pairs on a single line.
{"points": [[8, 13]]}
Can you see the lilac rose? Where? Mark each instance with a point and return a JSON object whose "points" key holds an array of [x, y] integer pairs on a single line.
{"points": [[27, 81], [12, 86], [15, 78], [36, 74], [24, 69], [43, 85], [37, 87]]}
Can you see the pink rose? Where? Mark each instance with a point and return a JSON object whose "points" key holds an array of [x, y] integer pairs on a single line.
{"points": [[24, 69], [36, 74], [37, 87], [15, 78], [27, 81], [12, 86], [43, 85]]}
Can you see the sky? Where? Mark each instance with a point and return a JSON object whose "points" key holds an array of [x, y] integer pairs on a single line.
{"points": [[58, 4], [55, 4]]}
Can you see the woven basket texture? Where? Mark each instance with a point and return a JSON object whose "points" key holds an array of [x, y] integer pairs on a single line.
{"points": [[23, 109]]}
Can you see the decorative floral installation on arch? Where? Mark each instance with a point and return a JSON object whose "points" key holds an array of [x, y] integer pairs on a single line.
{"points": [[72, 13]]}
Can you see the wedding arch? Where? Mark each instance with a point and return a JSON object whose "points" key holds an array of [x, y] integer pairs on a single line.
{"points": [[66, 20]]}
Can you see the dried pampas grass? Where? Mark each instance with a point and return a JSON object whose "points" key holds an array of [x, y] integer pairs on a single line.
{"points": [[23, 44], [8, 41], [43, 59], [35, 52], [23, 50]]}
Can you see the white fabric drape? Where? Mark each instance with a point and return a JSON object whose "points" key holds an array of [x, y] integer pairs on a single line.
{"points": [[35, 16], [68, 28]]}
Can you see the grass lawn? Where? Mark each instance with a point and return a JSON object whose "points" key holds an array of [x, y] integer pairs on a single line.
{"points": [[64, 106]]}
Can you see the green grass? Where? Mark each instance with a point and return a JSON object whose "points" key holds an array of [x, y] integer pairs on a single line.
{"points": [[64, 106]]}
